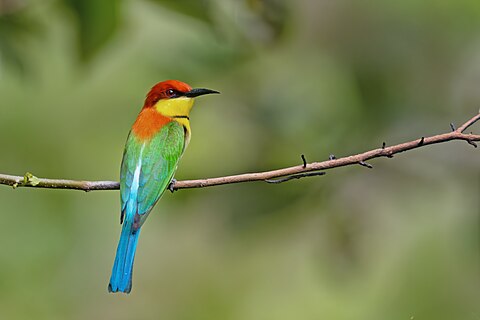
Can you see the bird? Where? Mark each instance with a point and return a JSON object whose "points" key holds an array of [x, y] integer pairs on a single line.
{"points": [[154, 146]]}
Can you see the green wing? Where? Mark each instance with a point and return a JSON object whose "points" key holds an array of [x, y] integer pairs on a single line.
{"points": [[148, 168]]}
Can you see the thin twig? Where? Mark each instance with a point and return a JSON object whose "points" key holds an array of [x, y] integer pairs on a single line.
{"points": [[472, 143], [468, 124], [364, 164], [295, 176], [296, 172]]}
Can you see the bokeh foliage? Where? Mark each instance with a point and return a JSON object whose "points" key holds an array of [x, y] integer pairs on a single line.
{"points": [[400, 241]]}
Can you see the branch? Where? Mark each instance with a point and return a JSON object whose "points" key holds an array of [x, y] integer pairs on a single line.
{"points": [[284, 174]]}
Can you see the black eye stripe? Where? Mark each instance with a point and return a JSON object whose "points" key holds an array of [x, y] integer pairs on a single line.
{"points": [[172, 93]]}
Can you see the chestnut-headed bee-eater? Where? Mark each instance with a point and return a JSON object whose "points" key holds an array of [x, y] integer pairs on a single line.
{"points": [[154, 146]]}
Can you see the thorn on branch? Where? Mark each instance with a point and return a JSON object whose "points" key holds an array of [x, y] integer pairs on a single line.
{"points": [[295, 176], [452, 126], [171, 186], [472, 143], [363, 163], [304, 161], [332, 157], [384, 145], [422, 140]]}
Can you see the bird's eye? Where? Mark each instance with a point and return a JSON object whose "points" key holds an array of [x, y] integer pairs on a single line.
{"points": [[170, 92]]}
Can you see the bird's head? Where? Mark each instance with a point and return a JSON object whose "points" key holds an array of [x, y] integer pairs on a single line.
{"points": [[173, 98]]}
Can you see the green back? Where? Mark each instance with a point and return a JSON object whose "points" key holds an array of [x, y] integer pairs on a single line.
{"points": [[159, 159]]}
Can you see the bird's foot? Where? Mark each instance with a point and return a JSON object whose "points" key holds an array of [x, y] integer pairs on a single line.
{"points": [[171, 186]]}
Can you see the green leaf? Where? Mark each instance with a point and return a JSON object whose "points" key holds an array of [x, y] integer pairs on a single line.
{"points": [[274, 13], [97, 22], [198, 9], [16, 29], [30, 179]]}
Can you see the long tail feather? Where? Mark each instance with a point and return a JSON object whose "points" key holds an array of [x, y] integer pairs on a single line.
{"points": [[121, 279]]}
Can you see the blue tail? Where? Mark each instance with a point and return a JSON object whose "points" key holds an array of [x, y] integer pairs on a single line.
{"points": [[121, 279]]}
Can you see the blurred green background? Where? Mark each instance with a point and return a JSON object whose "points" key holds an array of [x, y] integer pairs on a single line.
{"points": [[401, 241]]}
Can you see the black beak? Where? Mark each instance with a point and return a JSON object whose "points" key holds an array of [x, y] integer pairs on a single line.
{"points": [[199, 92]]}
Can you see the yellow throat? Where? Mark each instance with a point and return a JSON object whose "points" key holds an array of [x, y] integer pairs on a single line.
{"points": [[179, 110]]}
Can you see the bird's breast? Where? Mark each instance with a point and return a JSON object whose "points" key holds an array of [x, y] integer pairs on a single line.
{"points": [[149, 122]]}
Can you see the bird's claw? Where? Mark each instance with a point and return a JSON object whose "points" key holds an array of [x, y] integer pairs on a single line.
{"points": [[171, 186]]}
